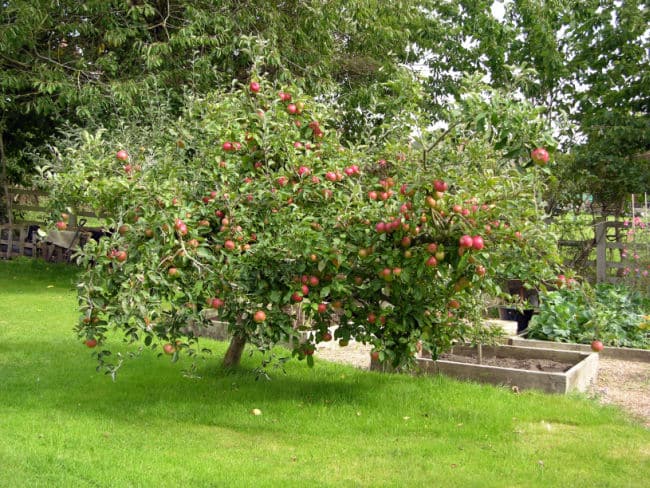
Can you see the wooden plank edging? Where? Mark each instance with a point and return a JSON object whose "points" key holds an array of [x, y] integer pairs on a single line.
{"points": [[622, 353]]}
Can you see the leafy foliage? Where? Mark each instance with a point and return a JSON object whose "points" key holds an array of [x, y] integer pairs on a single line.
{"points": [[250, 203], [96, 62], [581, 314]]}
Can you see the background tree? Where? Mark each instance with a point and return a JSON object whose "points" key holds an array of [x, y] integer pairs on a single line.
{"points": [[611, 43], [586, 62], [98, 62]]}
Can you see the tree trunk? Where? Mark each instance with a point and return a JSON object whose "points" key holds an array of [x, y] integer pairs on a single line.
{"points": [[4, 179], [234, 352]]}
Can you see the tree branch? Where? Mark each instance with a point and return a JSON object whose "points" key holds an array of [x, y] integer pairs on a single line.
{"points": [[64, 66], [16, 62]]}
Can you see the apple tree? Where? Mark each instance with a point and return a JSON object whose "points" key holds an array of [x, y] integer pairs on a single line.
{"points": [[249, 210]]}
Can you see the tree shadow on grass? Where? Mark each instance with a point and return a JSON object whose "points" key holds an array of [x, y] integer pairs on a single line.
{"points": [[62, 376]]}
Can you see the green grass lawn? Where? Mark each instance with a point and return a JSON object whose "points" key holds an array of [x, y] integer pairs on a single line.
{"points": [[62, 424]]}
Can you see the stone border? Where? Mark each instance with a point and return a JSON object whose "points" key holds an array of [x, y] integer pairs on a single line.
{"points": [[622, 353]]}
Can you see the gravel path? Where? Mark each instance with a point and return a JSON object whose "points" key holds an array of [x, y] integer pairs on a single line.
{"points": [[627, 384], [623, 383]]}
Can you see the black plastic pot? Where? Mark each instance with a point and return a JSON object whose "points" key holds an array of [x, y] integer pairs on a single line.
{"points": [[522, 317]]}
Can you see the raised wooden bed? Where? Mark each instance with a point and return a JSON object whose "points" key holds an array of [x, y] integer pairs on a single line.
{"points": [[622, 353], [580, 369]]}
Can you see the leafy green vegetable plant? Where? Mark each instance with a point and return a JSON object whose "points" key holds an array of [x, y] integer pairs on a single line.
{"points": [[613, 314]]}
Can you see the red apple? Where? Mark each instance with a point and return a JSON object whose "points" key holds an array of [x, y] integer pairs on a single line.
{"points": [[61, 225], [386, 274], [122, 155], [539, 156], [478, 243], [169, 349], [254, 86], [597, 345], [466, 241], [91, 343], [259, 316], [440, 186]]}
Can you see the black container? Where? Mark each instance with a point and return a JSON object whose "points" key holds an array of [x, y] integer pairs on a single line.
{"points": [[522, 317]]}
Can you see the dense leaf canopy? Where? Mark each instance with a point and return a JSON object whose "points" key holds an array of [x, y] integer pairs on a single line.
{"points": [[96, 62]]}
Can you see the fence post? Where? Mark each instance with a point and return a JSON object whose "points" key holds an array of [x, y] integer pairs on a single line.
{"points": [[601, 251]]}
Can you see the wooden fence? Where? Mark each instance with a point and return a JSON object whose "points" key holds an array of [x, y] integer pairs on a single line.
{"points": [[17, 240], [23, 239], [601, 256], [608, 245], [608, 269]]}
